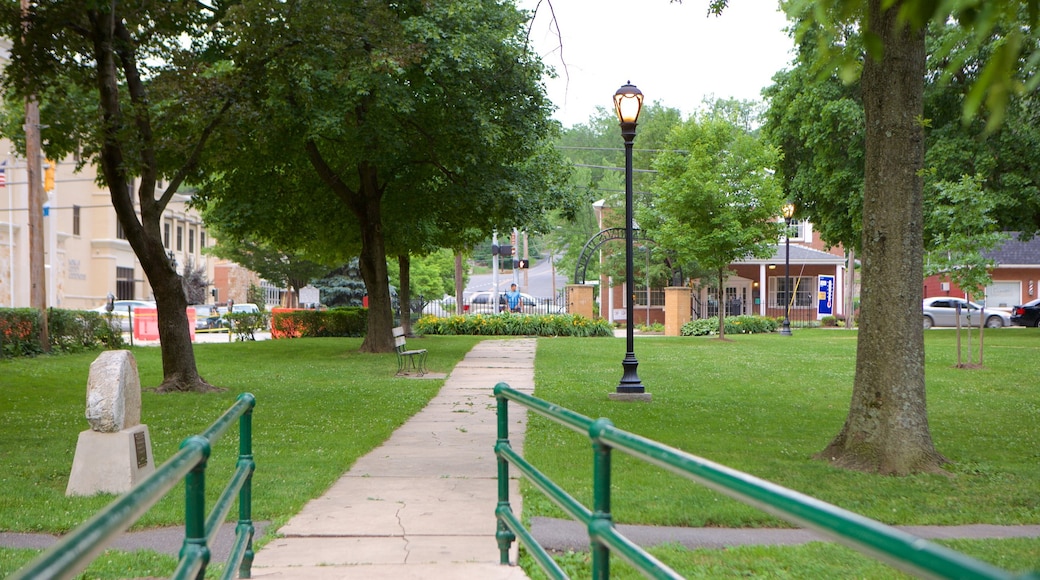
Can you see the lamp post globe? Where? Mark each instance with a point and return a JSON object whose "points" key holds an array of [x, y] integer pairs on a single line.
{"points": [[628, 102], [785, 329]]}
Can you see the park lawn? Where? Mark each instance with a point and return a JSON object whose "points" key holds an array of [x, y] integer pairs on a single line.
{"points": [[320, 406], [765, 404]]}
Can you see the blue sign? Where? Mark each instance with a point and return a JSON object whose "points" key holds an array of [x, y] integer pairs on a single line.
{"points": [[825, 295]]}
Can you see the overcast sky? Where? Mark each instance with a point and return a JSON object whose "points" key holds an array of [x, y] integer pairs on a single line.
{"points": [[674, 53]]}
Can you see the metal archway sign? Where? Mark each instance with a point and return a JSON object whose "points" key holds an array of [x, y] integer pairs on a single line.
{"points": [[598, 240]]}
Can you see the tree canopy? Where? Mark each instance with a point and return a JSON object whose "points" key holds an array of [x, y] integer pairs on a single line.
{"points": [[716, 198], [124, 91], [378, 130]]}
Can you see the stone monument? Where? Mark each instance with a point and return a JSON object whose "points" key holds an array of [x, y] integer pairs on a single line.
{"points": [[116, 452]]}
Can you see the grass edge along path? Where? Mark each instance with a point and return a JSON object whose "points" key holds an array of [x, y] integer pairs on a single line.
{"points": [[764, 404], [320, 406]]}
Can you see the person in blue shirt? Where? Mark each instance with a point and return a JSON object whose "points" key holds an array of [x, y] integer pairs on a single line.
{"points": [[513, 298]]}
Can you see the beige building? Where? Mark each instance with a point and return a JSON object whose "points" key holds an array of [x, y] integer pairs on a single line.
{"points": [[86, 255]]}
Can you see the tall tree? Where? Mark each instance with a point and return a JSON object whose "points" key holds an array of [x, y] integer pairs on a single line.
{"points": [[116, 78], [425, 122], [887, 426], [886, 429], [716, 198]]}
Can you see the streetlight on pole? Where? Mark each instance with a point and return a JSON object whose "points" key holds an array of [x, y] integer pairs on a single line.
{"points": [[628, 102], [785, 330]]}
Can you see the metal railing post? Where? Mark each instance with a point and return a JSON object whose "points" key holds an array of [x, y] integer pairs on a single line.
{"points": [[195, 506], [245, 495], [503, 535], [601, 517]]}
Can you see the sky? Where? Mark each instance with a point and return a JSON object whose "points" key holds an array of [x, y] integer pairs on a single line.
{"points": [[674, 53]]}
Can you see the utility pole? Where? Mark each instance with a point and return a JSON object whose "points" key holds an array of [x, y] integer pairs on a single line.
{"points": [[33, 150]]}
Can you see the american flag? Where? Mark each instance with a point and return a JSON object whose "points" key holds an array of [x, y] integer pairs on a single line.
{"points": [[3, 174]]}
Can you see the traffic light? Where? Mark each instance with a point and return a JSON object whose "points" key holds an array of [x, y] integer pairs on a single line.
{"points": [[522, 264], [48, 175], [501, 250], [213, 292]]}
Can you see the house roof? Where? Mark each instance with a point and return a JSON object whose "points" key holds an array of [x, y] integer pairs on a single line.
{"points": [[799, 255], [1015, 252]]}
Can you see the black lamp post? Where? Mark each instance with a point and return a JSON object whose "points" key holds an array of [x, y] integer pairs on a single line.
{"points": [[628, 102], [785, 330]]}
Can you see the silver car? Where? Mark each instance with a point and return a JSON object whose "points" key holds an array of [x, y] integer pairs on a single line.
{"points": [[942, 311], [121, 312]]}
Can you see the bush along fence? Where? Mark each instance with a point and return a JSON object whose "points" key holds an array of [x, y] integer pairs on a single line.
{"points": [[348, 321], [68, 331], [890, 545], [506, 324], [744, 324]]}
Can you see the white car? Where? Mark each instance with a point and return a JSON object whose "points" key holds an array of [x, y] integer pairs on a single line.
{"points": [[121, 312], [443, 308], [480, 303], [942, 311]]}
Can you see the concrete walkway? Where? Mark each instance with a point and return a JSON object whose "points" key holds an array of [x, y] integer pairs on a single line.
{"points": [[421, 505]]}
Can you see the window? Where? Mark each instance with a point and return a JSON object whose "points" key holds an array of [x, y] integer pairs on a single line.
{"points": [[802, 287], [75, 220], [191, 241], [202, 240], [166, 235], [799, 229], [120, 234], [180, 238], [656, 296], [124, 283]]}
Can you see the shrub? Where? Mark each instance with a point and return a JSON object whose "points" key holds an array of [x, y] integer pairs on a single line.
{"points": [[829, 321], [345, 321], [506, 324], [744, 324], [244, 324], [68, 331]]}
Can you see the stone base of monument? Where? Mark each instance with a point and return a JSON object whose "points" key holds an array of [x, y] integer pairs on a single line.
{"points": [[110, 462]]}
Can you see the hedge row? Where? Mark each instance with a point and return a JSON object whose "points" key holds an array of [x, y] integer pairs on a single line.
{"points": [[744, 324], [347, 321], [506, 324], [68, 331]]}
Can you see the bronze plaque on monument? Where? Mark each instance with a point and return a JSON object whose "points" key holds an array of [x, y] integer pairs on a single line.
{"points": [[142, 451]]}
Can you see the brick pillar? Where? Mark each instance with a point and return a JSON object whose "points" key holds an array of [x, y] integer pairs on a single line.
{"points": [[676, 309], [579, 300]]}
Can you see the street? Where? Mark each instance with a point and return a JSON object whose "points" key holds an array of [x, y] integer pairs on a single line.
{"points": [[536, 280]]}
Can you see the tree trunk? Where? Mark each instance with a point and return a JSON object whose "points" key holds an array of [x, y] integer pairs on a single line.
{"points": [[459, 286], [179, 370], [886, 430], [404, 293], [379, 336], [722, 305]]}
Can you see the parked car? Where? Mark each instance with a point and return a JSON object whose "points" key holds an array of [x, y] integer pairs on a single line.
{"points": [[481, 303], [443, 307], [206, 316], [121, 312], [1027, 314], [244, 307], [942, 311]]}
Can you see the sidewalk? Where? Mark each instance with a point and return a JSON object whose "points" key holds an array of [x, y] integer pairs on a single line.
{"points": [[421, 505]]}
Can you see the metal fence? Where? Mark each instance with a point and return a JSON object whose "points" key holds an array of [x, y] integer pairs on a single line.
{"points": [[882, 542], [68, 557]]}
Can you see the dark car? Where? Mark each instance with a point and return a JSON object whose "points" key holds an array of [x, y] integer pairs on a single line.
{"points": [[1027, 314]]}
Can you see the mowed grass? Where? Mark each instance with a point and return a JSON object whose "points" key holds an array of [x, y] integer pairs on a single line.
{"points": [[764, 404], [320, 406]]}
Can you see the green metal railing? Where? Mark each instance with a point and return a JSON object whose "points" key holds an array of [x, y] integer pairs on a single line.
{"points": [[75, 551], [882, 542]]}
